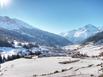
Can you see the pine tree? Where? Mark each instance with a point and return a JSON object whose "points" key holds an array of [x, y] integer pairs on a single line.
{"points": [[1, 60]]}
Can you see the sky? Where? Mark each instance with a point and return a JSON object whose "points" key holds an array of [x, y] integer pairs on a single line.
{"points": [[56, 16]]}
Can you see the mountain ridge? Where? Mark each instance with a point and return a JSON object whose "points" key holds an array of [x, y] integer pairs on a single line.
{"points": [[77, 36], [23, 30]]}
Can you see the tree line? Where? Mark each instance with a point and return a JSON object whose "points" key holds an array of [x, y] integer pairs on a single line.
{"points": [[8, 58]]}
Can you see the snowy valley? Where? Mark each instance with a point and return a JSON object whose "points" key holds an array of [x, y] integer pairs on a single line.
{"points": [[26, 51]]}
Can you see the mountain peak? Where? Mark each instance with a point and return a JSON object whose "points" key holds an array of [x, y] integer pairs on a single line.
{"points": [[5, 19], [80, 34], [12, 24], [90, 26]]}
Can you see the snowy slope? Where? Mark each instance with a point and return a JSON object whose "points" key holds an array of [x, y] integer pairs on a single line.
{"points": [[26, 32], [88, 49], [79, 35], [91, 50], [96, 39], [46, 67], [12, 24]]}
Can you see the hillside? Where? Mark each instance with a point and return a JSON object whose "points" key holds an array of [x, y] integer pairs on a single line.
{"points": [[96, 39], [19, 30]]}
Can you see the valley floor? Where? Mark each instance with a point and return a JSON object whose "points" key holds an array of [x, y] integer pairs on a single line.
{"points": [[51, 67]]}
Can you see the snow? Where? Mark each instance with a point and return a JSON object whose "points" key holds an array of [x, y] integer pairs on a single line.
{"points": [[80, 34], [71, 47], [12, 24], [29, 33], [35, 49], [89, 49], [29, 67], [5, 49], [10, 51]]}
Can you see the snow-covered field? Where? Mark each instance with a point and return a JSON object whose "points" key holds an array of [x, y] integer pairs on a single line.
{"points": [[50, 67], [92, 50], [89, 49]]}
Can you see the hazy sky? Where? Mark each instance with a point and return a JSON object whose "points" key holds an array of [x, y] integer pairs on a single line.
{"points": [[56, 15]]}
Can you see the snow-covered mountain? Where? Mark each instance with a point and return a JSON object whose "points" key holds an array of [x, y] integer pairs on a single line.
{"points": [[19, 30], [12, 24], [79, 35], [96, 39]]}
